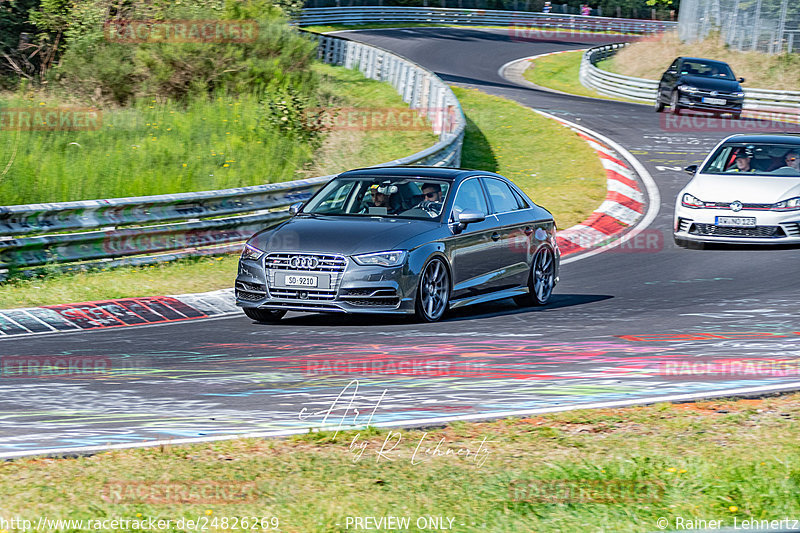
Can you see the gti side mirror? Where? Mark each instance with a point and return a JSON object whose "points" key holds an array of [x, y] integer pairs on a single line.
{"points": [[741, 80], [295, 208], [691, 169]]}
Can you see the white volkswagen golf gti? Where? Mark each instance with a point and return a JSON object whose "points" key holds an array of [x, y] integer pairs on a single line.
{"points": [[746, 191]]}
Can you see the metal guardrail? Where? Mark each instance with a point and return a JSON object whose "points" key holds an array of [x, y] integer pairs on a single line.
{"points": [[125, 230], [762, 102], [477, 17]]}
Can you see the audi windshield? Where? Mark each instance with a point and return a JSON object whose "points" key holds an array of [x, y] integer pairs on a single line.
{"points": [[396, 197]]}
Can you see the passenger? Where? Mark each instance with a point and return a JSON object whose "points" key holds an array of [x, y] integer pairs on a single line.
{"points": [[376, 197], [742, 163]]}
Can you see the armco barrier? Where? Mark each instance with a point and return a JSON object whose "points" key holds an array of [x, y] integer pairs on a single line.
{"points": [[159, 228], [761, 102], [477, 17]]}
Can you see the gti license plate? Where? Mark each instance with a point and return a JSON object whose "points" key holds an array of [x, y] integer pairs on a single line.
{"points": [[299, 280], [736, 222], [714, 101]]}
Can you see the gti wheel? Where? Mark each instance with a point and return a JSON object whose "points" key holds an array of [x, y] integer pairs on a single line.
{"points": [[264, 315], [433, 293], [673, 104], [541, 280], [659, 107]]}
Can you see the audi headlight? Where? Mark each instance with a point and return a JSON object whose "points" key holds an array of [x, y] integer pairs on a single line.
{"points": [[688, 88], [690, 201], [384, 259], [251, 253], [792, 204]]}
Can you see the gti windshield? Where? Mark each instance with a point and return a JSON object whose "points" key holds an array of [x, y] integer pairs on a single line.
{"points": [[755, 159], [396, 197]]}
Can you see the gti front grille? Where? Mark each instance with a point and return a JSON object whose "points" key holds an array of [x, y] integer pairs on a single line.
{"points": [[761, 232]]}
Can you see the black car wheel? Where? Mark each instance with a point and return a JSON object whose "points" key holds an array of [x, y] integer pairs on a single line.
{"points": [[541, 280], [264, 315], [433, 293], [659, 107], [673, 104]]}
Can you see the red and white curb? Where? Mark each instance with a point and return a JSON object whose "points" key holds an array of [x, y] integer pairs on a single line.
{"points": [[623, 206], [126, 312]]}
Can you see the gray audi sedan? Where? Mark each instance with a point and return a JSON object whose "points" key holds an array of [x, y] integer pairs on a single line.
{"points": [[404, 240]]}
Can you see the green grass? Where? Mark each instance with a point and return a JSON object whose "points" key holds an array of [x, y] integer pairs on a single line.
{"points": [[161, 147], [552, 164], [561, 72], [602, 470]]}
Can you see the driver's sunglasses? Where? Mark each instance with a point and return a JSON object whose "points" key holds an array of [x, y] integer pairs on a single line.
{"points": [[430, 194]]}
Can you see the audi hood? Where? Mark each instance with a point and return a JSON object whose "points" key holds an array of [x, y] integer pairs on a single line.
{"points": [[342, 235]]}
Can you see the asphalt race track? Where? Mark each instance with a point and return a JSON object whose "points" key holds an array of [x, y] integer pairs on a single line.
{"points": [[624, 326]]}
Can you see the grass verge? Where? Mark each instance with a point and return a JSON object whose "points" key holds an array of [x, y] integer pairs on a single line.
{"points": [[650, 58], [555, 167], [562, 73], [552, 164], [601, 470], [206, 145]]}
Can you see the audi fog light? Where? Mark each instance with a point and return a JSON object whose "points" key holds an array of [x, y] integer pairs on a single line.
{"points": [[384, 259]]}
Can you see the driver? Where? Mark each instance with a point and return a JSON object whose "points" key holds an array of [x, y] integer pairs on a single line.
{"points": [[742, 163], [432, 199], [792, 159]]}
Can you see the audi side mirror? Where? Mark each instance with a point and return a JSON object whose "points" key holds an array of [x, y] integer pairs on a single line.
{"points": [[295, 208], [691, 169], [469, 216]]}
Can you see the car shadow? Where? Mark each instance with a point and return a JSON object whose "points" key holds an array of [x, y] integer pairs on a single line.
{"points": [[504, 307]]}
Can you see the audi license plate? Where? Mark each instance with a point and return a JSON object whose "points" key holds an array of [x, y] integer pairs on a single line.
{"points": [[714, 101], [288, 280], [736, 222]]}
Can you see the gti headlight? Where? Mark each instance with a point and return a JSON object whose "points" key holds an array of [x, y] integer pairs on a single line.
{"points": [[384, 259], [688, 88], [690, 201], [251, 253], [792, 204]]}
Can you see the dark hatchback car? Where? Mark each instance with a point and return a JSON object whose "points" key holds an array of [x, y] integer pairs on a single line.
{"points": [[405, 240], [701, 84]]}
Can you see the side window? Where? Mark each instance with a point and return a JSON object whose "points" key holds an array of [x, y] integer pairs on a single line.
{"points": [[502, 198], [523, 203], [674, 65], [470, 196]]}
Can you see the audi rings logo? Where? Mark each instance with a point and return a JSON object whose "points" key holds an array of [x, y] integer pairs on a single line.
{"points": [[302, 262], [736, 206]]}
